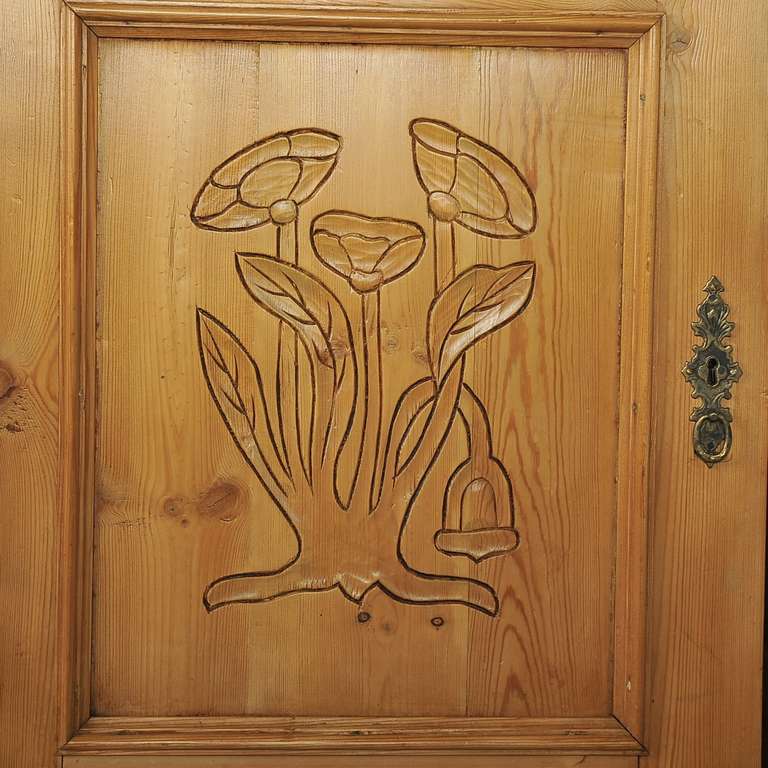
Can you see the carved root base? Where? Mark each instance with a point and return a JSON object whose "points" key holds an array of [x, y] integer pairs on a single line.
{"points": [[400, 582]]}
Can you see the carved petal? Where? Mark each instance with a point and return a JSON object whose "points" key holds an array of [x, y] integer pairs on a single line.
{"points": [[492, 194], [435, 135], [479, 301], [501, 227], [476, 189], [236, 217], [232, 170], [520, 201], [364, 252], [270, 182], [212, 200], [436, 171], [285, 166], [401, 257], [312, 143], [329, 249], [313, 174]]}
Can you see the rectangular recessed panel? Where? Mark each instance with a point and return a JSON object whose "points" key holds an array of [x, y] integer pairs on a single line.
{"points": [[409, 407]]}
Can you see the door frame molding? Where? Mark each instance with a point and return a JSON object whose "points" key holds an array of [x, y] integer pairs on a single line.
{"points": [[84, 22]]}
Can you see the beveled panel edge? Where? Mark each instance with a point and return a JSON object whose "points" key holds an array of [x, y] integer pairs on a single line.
{"points": [[457, 24], [77, 206], [644, 72], [349, 761], [359, 736]]}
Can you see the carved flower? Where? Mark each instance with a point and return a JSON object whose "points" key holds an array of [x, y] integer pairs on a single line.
{"points": [[266, 181], [367, 251], [471, 183]]}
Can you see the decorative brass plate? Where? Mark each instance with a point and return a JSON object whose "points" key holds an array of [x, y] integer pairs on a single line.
{"points": [[712, 372]]}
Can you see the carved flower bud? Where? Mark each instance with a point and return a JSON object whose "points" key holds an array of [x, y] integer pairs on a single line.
{"points": [[444, 207], [369, 252], [267, 181], [470, 182], [478, 513], [364, 282], [283, 211]]}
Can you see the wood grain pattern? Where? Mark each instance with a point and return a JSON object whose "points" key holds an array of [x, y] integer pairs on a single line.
{"points": [[395, 736], [77, 205], [635, 386], [706, 585], [29, 397], [152, 494], [707, 563], [339, 761], [497, 24]]}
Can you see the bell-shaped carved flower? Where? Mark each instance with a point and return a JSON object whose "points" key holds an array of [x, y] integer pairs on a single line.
{"points": [[471, 183], [369, 252], [266, 181], [478, 512]]}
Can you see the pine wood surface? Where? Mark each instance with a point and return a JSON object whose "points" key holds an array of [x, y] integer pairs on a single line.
{"points": [[707, 526], [185, 496]]}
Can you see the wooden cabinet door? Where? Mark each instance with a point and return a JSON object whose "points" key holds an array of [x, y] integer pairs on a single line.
{"points": [[374, 446]]}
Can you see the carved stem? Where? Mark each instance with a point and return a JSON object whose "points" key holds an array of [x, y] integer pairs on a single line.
{"points": [[412, 474], [445, 253], [287, 246], [288, 367], [372, 385], [478, 427]]}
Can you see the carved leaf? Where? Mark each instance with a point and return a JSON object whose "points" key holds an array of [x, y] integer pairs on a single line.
{"points": [[478, 302], [301, 300], [316, 315], [236, 386]]}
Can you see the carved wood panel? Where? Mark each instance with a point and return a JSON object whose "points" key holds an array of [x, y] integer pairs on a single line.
{"points": [[373, 306], [368, 437]]}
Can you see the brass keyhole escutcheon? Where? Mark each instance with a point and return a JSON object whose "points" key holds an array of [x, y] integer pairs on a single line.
{"points": [[712, 372]]}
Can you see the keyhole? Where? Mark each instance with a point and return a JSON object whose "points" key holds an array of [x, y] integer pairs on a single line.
{"points": [[712, 366]]}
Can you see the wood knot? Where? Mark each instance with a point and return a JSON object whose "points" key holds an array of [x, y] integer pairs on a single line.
{"points": [[390, 341], [8, 384], [176, 507], [224, 501], [678, 41], [420, 355]]}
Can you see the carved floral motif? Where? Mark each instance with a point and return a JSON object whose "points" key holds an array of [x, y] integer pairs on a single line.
{"points": [[349, 535]]}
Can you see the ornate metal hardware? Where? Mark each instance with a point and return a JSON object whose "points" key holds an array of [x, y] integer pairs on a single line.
{"points": [[712, 372]]}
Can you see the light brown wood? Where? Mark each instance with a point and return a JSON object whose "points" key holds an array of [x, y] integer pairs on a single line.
{"points": [[578, 649], [707, 562], [397, 667], [29, 397], [416, 761], [635, 353], [77, 208], [369, 736], [451, 24]]}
